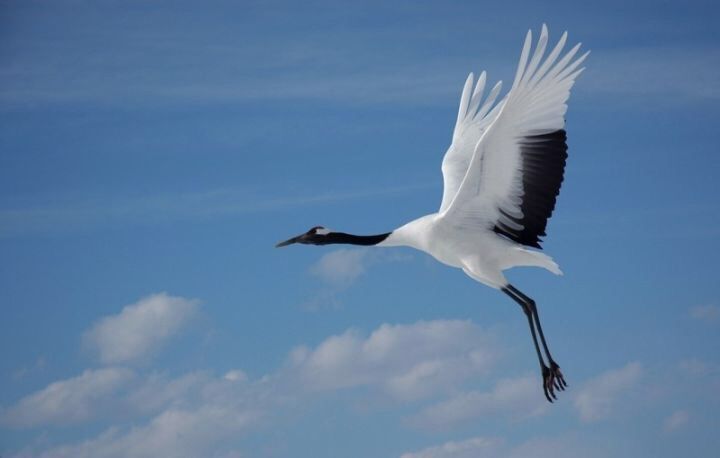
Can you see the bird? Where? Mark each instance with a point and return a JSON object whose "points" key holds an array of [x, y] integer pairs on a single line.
{"points": [[501, 177]]}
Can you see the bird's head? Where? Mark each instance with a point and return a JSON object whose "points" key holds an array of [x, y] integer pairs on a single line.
{"points": [[315, 236]]}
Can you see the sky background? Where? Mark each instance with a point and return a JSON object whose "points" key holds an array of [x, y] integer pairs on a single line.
{"points": [[153, 152]]}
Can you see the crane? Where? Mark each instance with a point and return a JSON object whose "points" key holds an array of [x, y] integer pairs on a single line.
{"points": [[501, 176]]}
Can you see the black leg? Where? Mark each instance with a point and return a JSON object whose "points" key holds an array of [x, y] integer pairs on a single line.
{"points": [[560, 382], [552, 377], [549, 394], [533, 308]]}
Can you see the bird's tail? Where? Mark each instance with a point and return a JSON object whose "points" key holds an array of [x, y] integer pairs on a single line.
{"points": [[525, 257]]}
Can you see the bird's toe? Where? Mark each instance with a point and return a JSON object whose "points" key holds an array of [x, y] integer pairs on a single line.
{"points": [[549, 384], [553, 381], [558, 375]]}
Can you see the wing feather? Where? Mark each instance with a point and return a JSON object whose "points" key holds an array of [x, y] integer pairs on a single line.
{"points": [[494, 92], [474, 115], [523, 59], [514, 176], [477, 93], [464, 101]]}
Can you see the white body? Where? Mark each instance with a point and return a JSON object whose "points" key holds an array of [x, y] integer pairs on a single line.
{"points": [[483, 170], [482, 255]]}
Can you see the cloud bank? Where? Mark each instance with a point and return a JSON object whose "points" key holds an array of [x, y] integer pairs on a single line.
{"points": [[404, 361], [69, 401]]}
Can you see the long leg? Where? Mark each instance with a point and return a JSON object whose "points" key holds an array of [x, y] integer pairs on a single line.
{"points": [[559, 380], [528, 313], [552, 377], [536, 316]]}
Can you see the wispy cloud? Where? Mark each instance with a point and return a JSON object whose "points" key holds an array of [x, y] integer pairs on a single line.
{"points": [[157, 391], [315, 71], [475, 447], [284, 67], [699, 368], [139, 329], [598, 397], [68, 401], [82, 215], [341, 267], [707, 313], [149, 67], [175, 432], [39, 365], [676, 420], [567, 446], [516, 397], [700, 378], [338, 270], [658, 73]]}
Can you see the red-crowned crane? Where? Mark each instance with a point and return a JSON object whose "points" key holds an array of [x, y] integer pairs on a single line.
{"points": [[502, 174]]}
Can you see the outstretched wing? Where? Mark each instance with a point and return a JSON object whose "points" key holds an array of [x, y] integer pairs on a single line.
{"points": [[472, 120], [517, 166]]}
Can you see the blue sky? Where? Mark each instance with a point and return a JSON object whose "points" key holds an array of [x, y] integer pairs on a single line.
{"points": [[152, 153]]}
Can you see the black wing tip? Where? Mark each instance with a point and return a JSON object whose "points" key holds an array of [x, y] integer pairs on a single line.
{"points": [[505, 231], [543, 164]]}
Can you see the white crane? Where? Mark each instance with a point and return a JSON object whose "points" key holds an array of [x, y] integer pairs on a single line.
{"points": [[502, 174]]}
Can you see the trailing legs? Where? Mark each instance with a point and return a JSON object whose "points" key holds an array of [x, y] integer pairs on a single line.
{"points": [[552, 376]]}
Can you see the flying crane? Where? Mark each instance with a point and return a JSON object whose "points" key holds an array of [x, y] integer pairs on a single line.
{"points": [[502, 174]]}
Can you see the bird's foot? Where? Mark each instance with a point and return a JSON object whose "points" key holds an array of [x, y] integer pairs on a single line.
{"points": [[552, 380]]}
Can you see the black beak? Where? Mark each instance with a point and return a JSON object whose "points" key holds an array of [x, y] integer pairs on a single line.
{"points": [[289, 241]]}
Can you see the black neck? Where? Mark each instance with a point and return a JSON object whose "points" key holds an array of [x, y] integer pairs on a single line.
{"points": [[350, 239]]}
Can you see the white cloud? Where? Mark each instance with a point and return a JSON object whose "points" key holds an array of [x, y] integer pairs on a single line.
{"points": [[341, 267], [140, 328], [197, 412], [406, 361], [192, 415], [236, 375], [157, 392], [567, 446], [676, 420], [120, 390], [68, 401], [117, 391], [597, 398], [476, 447], [517, 397], [706, 313], [175, 432]]}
